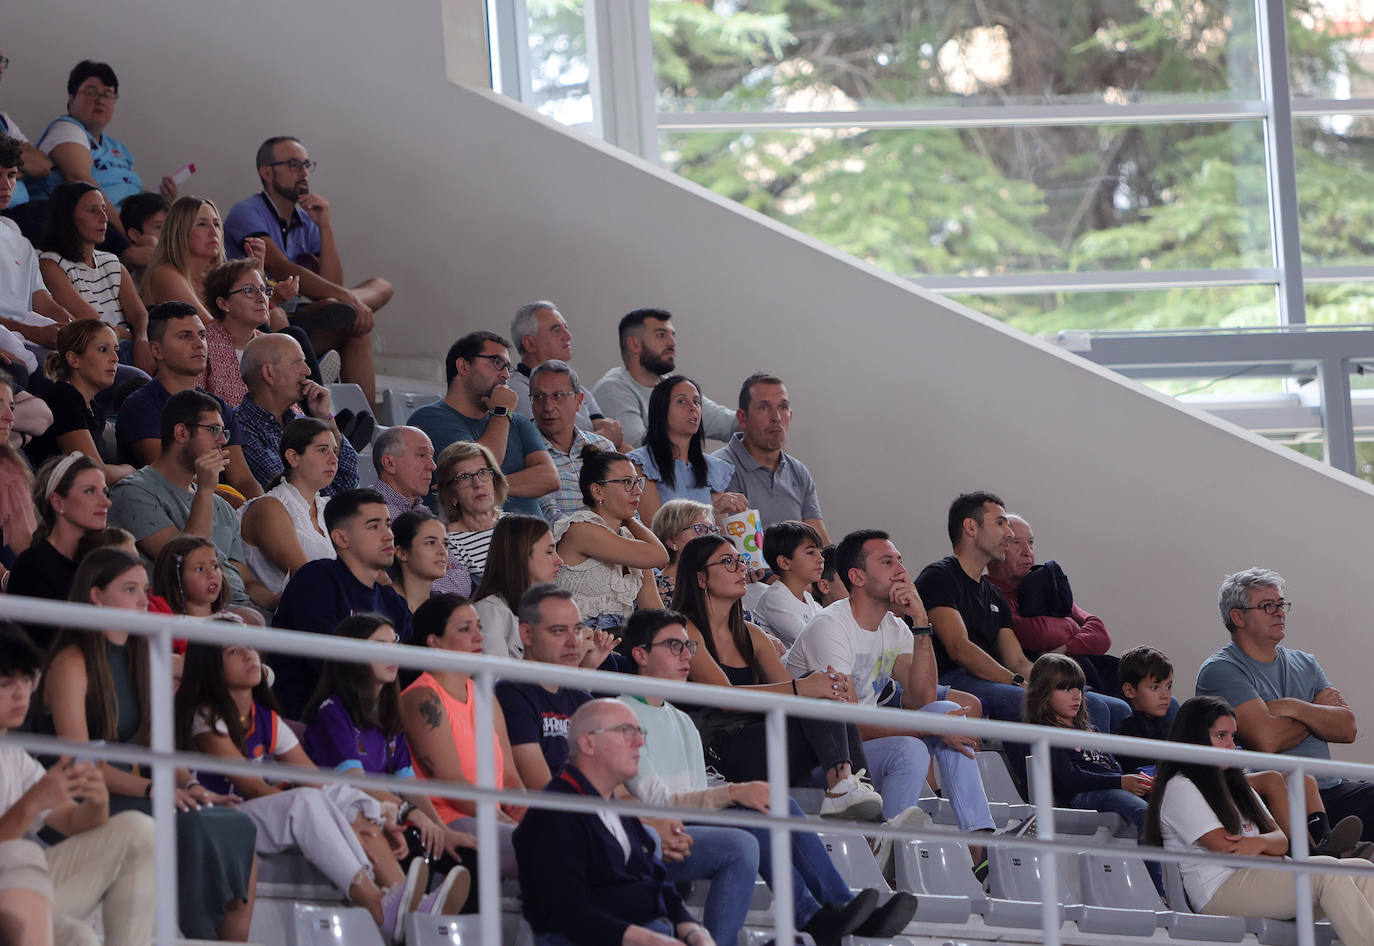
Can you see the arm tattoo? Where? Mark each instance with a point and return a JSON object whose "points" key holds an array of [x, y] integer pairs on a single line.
{"points": [[433, 712]]}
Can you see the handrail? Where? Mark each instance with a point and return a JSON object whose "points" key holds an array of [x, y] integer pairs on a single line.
{"points": [[162, 757]]}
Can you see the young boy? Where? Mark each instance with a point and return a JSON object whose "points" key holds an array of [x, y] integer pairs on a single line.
{"points": [[828, 588], [104, 862], [793, 550]]}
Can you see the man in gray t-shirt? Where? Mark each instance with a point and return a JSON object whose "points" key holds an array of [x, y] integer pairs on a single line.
{"points": [[1283, 701]]}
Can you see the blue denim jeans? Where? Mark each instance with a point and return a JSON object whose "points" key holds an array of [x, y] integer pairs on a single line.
{"points": [[899, 765], [730, 858], [815, 881], [558, 939]]}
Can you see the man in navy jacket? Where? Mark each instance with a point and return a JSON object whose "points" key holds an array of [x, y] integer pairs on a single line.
{"points": [[593, 878]]}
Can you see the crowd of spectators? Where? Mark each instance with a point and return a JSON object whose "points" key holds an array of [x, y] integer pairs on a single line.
{"points": [[167, 444]]}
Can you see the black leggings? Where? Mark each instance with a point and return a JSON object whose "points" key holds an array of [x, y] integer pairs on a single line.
{"points": [[742, 755]]}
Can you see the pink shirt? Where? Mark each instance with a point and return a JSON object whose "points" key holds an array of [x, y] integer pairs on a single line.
{"points": [[462, 729]]}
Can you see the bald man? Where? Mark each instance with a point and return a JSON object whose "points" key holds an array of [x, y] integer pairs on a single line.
{"points": [[593, 878]]}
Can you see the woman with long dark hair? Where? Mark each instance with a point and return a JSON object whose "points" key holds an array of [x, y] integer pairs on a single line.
{"points": [[522, 554], [90, 283], [673, 457], [95, 687], [1211, 808], [733, 652]]}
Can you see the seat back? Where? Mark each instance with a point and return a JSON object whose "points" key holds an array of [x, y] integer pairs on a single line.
{"points": [[1015, 875], [997, 780], [331, 925], [1174, 891], [397, 406], [425, 930], [1113, 881], [937, 867], [854, 860]]}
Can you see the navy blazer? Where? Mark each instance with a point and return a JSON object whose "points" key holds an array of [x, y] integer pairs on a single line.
{"points": [[575, 879]]}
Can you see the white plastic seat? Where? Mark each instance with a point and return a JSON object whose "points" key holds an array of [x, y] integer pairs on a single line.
{"points": [[331, 925], [397, 406], [854, 860], [1122, 882], [1016, 875], [426, 930], [351, 397], [941, 877]]}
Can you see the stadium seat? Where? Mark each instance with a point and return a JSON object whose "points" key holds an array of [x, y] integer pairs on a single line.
{"points": [[854, 860], [397, 406], [1268, 932], [331, 925], [351, 397], [941, 872], [1116, 881]]}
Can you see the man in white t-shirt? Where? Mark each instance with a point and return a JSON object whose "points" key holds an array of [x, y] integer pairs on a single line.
{"points": [[866, 637], [104, 863], [27, 311]]}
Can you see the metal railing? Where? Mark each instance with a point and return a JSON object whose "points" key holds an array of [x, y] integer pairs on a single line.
{"points": [[161, 758]]}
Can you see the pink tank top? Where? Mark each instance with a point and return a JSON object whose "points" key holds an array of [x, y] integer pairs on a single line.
{"points": [[461, 721]]}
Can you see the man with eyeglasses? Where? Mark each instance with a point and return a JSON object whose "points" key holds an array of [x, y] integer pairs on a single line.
{"points": [[556, 398], [81, 150], [480, 407], [1282, 698], [298, 230], [176, 339], [541, 334], [175, 495], [593, 877]]}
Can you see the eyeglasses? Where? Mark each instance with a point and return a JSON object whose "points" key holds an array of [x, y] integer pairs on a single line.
{"points": [[249, 292], [97, 95], [499, 361], [1270, 607], [675, 646], [483, 475], [731, 563], [705, 528], [631, 483], [295, 165], [558, 397], [216, 430], [627, 731]]}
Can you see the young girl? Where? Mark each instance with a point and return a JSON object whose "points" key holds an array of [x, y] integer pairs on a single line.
{"points": [[522, 554], [1083, 778], [353, 722], [225, 708], [96, 687], [1212, 808], [422, 558], [187, 576]]}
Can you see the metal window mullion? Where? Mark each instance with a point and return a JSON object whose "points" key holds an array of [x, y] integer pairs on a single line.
{"points": [[1105, 281], [620, 61], [1279, 159], [511, 23]]}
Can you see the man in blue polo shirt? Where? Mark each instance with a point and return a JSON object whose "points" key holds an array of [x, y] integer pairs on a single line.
{"points": [[480, 407], [300, 242]]}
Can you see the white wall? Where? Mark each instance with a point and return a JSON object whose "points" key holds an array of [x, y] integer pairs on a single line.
{"points": [[472, 207]]}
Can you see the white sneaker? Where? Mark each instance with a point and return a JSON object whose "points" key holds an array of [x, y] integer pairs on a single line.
{"points": [[853, 798], [914, 818], [330, 366]]}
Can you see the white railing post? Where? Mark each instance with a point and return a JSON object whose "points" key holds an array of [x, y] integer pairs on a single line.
{"points": [[1297, 844], [1042, 794], [163, 775], [778, 782], [488, 850]]}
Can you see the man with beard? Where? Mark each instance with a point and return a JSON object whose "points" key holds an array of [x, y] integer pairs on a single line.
{"points": [[480, 407], [300, 242], [648, 348]]}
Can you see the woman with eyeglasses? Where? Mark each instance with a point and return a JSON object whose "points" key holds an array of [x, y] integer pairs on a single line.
{"points": [[608, 555], [237, 297], [471, 491], [677, 522], [522, 554], [733, 652], [83, 365], [90, 283], [673, 457]]}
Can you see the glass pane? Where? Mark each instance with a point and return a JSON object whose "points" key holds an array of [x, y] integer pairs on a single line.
{"points": [[923, 202], [1137, 310], [1331, 48], [1335, 165], [1335, 303], [807, 55], [560, 80]]}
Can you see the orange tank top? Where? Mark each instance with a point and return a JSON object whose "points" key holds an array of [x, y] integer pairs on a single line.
{"points": [[461, 727]]}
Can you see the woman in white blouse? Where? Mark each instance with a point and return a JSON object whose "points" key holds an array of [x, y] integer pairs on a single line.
{"points": [[284, 527]]}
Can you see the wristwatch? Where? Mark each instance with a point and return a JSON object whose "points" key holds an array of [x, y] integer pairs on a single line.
{"points": [[923, 631], [499, 411], [1017, 680]]}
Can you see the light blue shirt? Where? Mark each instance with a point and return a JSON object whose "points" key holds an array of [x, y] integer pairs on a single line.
{"points": [[718, 473]]}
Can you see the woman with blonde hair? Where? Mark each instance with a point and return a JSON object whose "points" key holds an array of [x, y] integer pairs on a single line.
{"points": [[677, 522], [471, 491]]}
